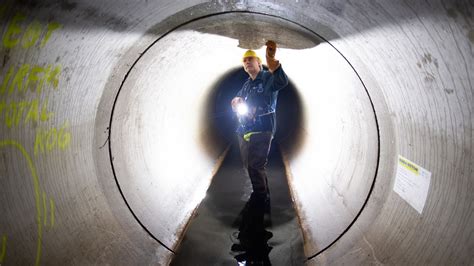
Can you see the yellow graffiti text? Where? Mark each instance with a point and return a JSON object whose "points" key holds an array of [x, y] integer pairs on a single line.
{"points": [[37, 190], [47, 223], [3, 251], [27, 34], [26, 77], [45, 210], [24, 112], [52, 210], [51, 139]]}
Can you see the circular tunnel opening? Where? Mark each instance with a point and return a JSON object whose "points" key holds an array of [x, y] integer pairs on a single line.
{"points": [[165, 144]]}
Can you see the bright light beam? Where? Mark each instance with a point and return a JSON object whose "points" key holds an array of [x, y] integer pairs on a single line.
{"points": [[242, 109]]}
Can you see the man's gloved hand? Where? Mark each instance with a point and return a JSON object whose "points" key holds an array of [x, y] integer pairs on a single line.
{"points": [[271, 49], [272, 63]]}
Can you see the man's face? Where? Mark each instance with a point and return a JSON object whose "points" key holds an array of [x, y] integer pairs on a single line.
{"points": [[251, 65]]}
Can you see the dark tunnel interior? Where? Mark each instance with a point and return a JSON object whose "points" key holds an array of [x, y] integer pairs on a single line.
{"points": [[219, 116]]}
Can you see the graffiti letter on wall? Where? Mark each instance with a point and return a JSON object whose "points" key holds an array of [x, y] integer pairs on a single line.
{"points": [[51, 27], [27, 111], [13, 28], [30, 36], [33, 113], [52, 209], [30, 77], [51, 76], [6, 79], [14, 113], [48, 140], [19, 78]]}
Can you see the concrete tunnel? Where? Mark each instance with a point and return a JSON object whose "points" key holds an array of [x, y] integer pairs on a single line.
{"points": [[110, 140]]}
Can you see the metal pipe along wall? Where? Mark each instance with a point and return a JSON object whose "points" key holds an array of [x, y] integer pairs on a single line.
{"points": [[110, 140]]}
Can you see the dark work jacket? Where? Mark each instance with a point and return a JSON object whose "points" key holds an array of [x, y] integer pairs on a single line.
{"points": [[262, 94]]}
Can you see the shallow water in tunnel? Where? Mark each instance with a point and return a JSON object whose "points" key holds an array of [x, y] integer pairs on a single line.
{"points": [[208, 237], [390, 91]]}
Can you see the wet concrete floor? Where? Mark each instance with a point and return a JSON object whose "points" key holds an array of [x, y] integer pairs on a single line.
{"points": [[208, 240]]}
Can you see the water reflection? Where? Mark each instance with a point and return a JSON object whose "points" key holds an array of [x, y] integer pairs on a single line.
{"points": [[250, 243]]}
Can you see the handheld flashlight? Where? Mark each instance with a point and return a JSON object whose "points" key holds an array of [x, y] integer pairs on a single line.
{"points": [[242, 109]]}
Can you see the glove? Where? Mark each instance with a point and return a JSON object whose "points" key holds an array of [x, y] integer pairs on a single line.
{"points": [[272, 63], [271, 49]]}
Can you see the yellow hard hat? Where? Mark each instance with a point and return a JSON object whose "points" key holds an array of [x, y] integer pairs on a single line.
{"points": [[251, 53]]}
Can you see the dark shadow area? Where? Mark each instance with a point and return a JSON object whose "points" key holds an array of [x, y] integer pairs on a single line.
{"points": [[291, 119], [250, 243], [218, 118], [211, 236], [86, 14]]}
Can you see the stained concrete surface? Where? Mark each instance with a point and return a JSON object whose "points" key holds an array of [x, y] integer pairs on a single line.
{"points": [[207, 239], [61, 203]]}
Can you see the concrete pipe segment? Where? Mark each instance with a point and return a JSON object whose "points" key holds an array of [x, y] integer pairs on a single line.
{"points": [[108, 141]]}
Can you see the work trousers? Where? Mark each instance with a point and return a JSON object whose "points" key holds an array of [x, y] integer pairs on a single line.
{"points": [[254, 158], [254, 155]]}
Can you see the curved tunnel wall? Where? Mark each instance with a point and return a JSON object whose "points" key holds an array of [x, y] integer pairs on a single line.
{"points": [[58, 186]]}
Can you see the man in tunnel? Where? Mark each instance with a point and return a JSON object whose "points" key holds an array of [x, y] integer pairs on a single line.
{"points": [[255, 106]]}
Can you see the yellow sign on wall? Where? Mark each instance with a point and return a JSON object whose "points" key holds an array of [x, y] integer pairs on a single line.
{"points": [[412, 183]]}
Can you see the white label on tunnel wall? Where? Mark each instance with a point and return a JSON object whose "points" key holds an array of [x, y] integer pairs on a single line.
{"points": [[412, 183]]}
